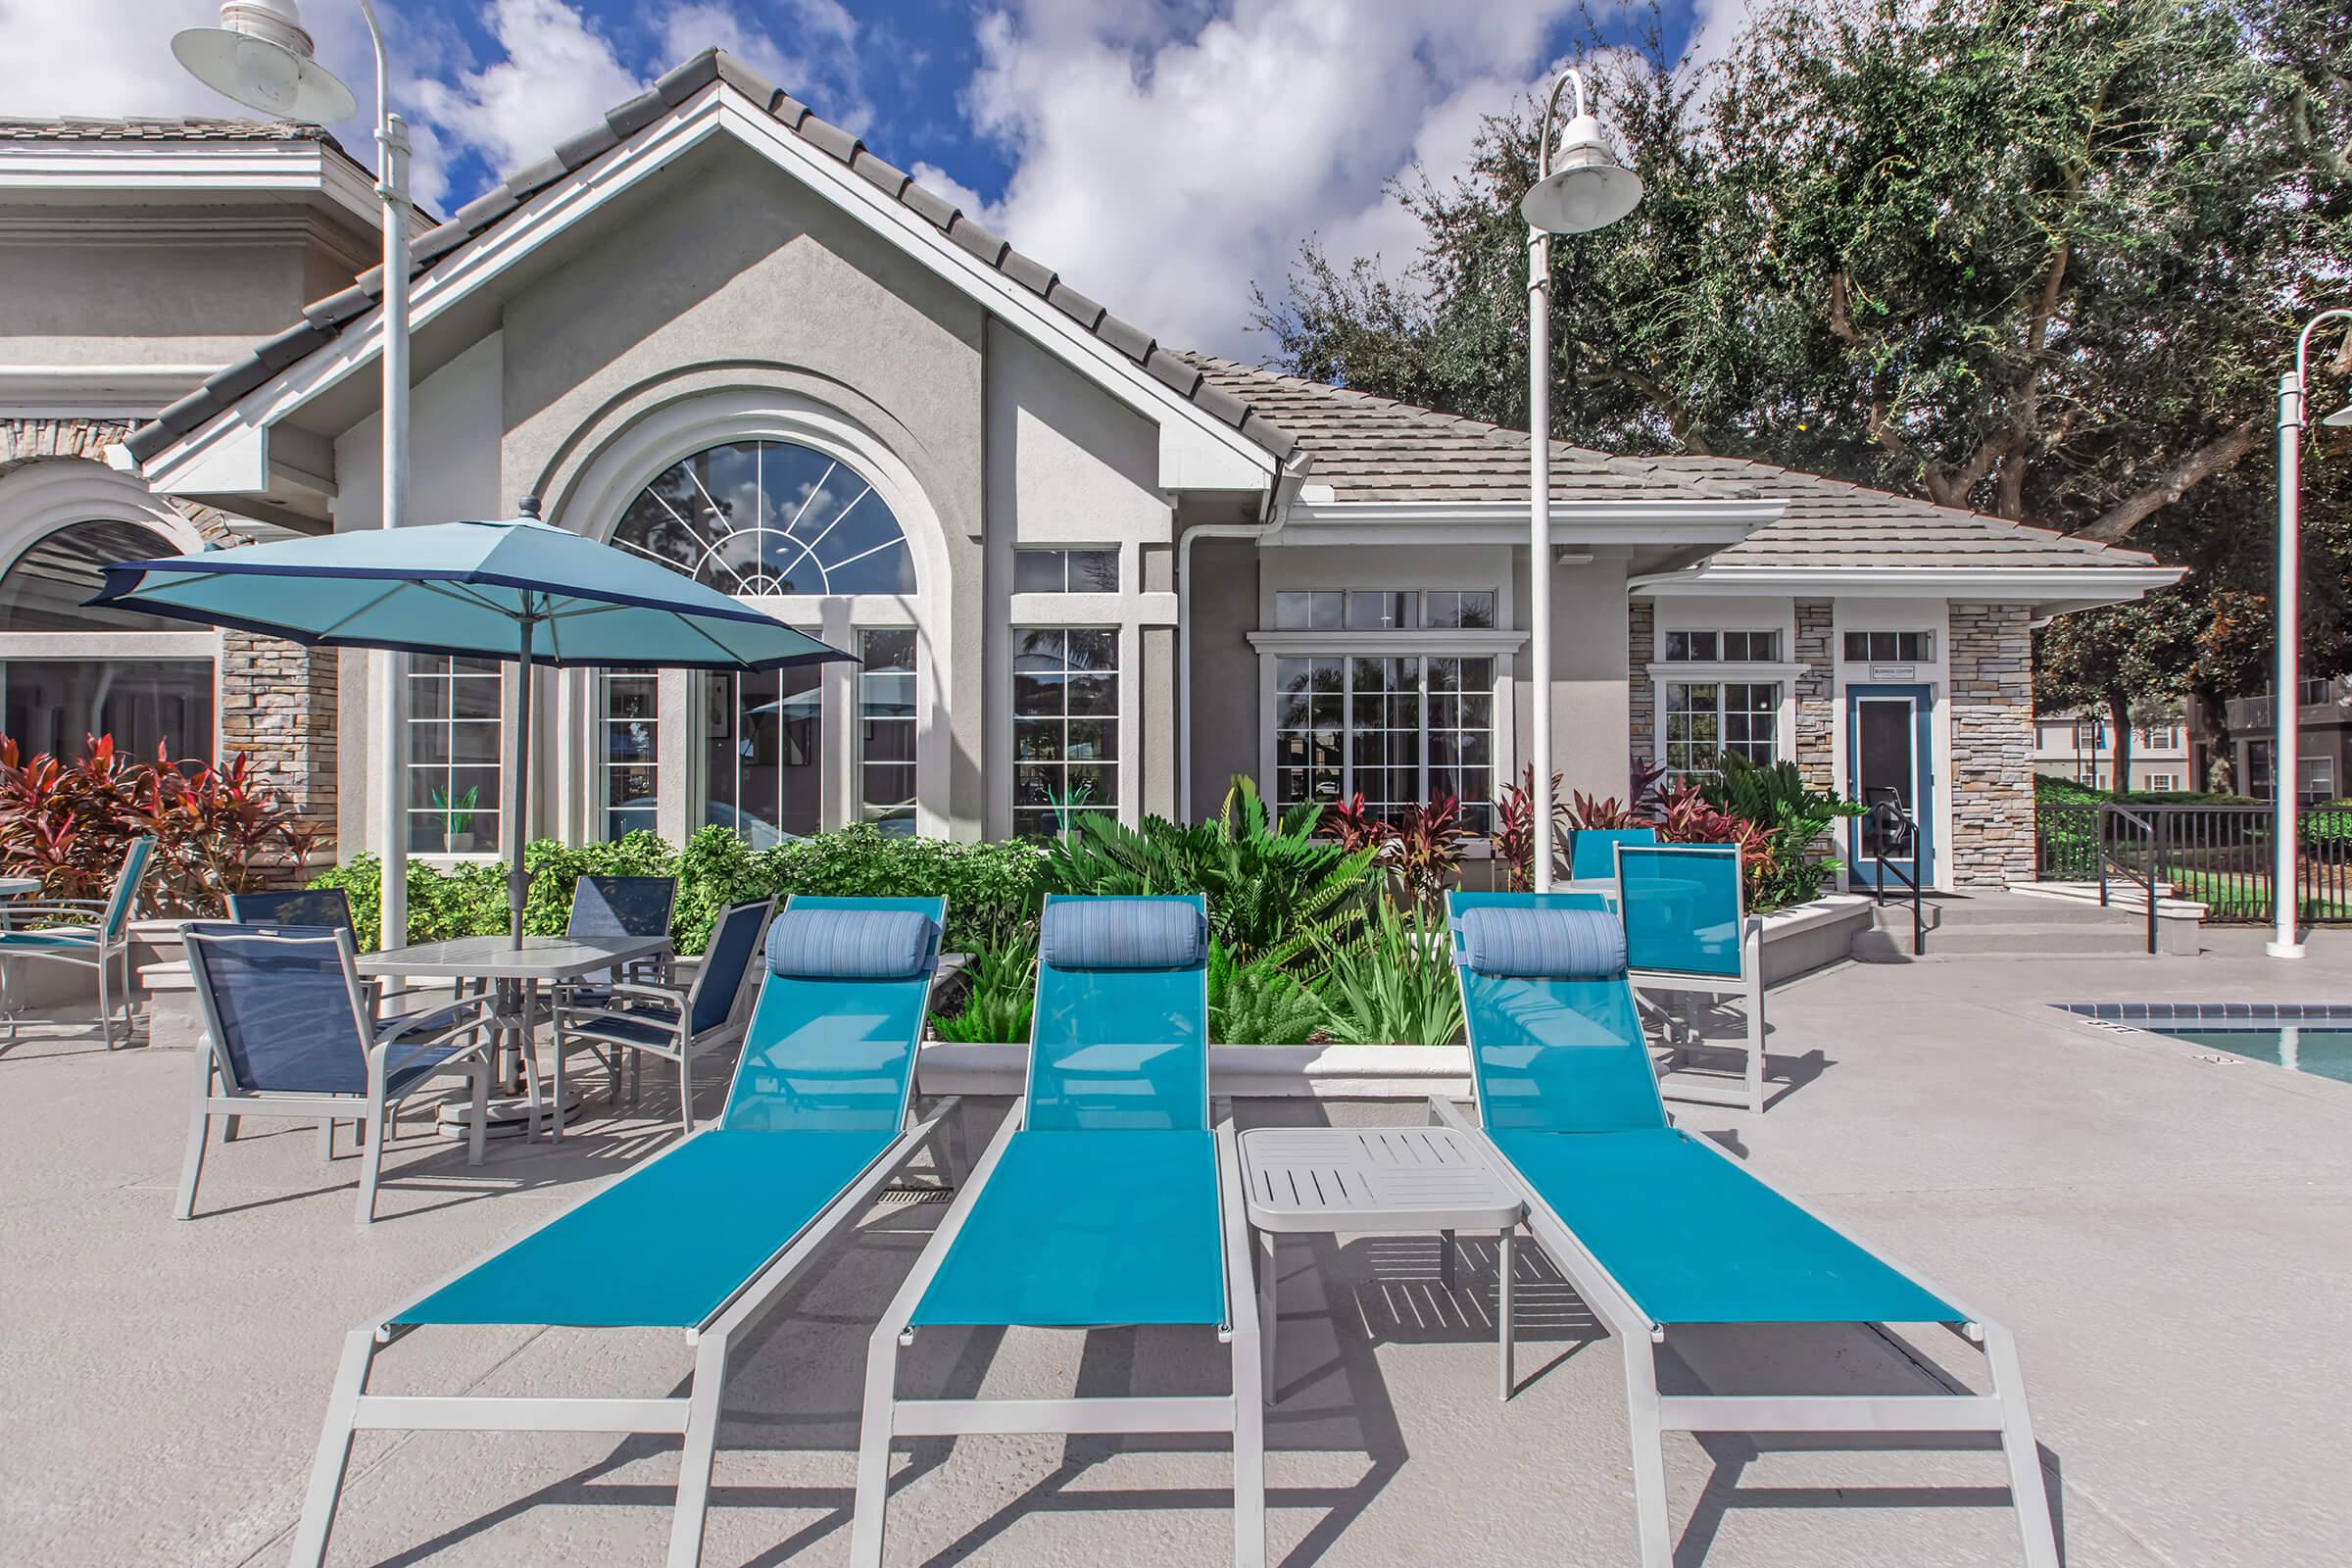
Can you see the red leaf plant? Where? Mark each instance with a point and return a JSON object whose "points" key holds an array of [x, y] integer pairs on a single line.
{"points": [[1514, 832], [218, 829]]}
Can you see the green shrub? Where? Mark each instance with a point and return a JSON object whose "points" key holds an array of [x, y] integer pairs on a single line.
{"points": [[1792, 815], [1259, 1004], [1395, 985]]}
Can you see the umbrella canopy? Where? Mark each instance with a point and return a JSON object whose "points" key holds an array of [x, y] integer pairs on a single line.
{"points": [[524, 591], [466, 588]]}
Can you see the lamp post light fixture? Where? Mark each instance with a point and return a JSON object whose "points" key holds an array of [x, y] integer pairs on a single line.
{"points": [[1584, 189], [261, 57], [2286, 782]]}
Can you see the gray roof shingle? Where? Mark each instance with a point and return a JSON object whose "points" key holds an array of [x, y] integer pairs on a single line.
{"points": [[675, 88], [183, 127], [1369, 448]]}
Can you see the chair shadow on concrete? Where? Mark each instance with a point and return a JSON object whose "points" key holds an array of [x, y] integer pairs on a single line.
{"points": [[1883, 1362]]}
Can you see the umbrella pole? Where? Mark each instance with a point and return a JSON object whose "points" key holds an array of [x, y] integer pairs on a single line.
{"points": [[519, 879]]}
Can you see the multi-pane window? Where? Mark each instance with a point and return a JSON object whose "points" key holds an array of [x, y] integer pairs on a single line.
{"points": [[763, 754], [2315, 689], [1065, 571], [1383, 610], [2163, 781], [1722, 647], [452, 757], [1398, 731], [886, 729], [628, 757], [1707, 720], [1065, 727], [2316, 779], [1889, 646], [2258, 770]]}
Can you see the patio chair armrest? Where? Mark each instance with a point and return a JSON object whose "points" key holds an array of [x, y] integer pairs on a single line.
{"points": [[80, 908], [630, 991]]}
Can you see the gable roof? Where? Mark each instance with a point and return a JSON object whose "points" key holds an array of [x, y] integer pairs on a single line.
{"points": [[323, 321], [1370, 448]]}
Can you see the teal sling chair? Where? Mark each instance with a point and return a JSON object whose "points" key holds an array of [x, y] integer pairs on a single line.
{"points": [[1655, 1228], [1104, 1201], [707, 1234]]}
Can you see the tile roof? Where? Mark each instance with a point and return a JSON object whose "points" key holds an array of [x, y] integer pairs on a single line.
{"points": [[1369, 448], [188, 128], [323, 321]]}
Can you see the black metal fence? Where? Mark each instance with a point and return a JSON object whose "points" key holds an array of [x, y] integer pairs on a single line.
{"points": [[2219, 855]]}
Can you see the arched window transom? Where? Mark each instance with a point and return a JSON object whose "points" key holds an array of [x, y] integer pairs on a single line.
{"points": [[760, 517]]}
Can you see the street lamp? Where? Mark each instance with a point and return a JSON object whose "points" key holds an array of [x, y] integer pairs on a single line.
{"points": [[2285, 766], [261, 55], [1589, 190]]}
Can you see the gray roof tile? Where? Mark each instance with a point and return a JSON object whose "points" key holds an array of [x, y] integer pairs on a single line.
{"points": [[328, 316]]}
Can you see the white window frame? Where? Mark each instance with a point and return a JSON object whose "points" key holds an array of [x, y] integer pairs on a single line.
{"points": [[1271, 770], [1779, 713], [503, 806], [1125, 700]]}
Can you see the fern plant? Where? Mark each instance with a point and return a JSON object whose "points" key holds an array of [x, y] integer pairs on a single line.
{"points": [[1258, 1004], [1276, 891], [1000, 994]]}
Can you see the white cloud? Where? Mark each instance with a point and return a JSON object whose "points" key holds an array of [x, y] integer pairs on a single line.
{"points": [[512, 113], [1165, 170], [822, 64]]}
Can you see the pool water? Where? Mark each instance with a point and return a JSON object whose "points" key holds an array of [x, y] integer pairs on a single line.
{"points": [[2324, 1051]]}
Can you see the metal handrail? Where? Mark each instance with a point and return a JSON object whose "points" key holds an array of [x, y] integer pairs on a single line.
{"points": [[1878, 855], [2153, 834]]}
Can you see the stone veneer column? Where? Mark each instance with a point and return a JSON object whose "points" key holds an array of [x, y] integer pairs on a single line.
{"points": [[1640, 651], [277, 705], [1816, 693], [1992, 744]]}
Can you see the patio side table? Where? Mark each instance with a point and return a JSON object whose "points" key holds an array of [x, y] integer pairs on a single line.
{"points": [[1338, 1181]]}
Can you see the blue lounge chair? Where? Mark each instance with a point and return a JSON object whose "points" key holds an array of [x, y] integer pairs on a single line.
{"points": [[1592, 850], [1656, 1229], [705, 1236], [1104, 1201], [1687, 933], [88, 933]]}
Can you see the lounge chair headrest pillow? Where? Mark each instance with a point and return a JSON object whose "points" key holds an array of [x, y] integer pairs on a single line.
{"points": [[1544, 944], [1122, 934], [850, 944]]}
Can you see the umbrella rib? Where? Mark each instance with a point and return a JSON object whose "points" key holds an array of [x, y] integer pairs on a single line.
{"points": [[334, 627]]}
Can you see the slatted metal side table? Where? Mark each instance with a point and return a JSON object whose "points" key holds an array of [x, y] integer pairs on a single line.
{"points": [[1343, 1181]]}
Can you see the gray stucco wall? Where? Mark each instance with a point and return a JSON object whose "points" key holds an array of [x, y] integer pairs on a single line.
{"points": [[1224, 668], [1591, 715]]}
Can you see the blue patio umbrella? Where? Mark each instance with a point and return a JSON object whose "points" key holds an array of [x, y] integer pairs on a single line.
{"points": [[522, 590]]}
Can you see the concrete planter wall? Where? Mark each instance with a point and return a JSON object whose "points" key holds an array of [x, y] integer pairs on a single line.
{"points": [[1808, 936]]}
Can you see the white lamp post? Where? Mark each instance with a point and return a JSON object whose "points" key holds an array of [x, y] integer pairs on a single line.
{"points": [[2286, 762], [1590, 190], [261, 55]]}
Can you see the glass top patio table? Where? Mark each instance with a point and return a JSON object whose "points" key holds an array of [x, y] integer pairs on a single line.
{"points": [[548, 960]]}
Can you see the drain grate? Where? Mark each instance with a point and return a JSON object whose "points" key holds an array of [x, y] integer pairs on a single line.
{"points": [[915, 1194]]}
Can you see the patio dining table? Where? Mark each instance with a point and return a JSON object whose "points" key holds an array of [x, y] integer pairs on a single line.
{"points": [[518, 973]]}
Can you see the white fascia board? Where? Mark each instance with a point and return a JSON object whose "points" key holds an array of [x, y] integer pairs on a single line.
{"points": [[1215, 452], [2002, 584], [1721, 523], [287, 168], [95, 391]]}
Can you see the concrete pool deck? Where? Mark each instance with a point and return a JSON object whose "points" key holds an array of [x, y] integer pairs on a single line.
{"points": [[2170, 1239]]}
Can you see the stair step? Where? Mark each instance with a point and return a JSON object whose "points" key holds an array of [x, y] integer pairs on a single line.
{"points": [[2015, 940]]}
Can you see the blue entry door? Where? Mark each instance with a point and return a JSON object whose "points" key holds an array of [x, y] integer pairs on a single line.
{"points": [[1889, 760]]}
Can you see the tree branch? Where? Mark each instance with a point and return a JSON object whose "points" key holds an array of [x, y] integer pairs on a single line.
{"points": [[2199, 465]]}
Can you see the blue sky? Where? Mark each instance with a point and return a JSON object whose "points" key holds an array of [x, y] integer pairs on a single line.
{"points": [[1164, 155]]}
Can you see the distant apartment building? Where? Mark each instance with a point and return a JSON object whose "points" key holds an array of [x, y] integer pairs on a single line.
{"points": [[2248, 732], [2081, 746]]}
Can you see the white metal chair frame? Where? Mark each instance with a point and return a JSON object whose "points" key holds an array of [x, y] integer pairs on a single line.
{"points": [[1650, 1414], [693, 1415], [103, 950], [1242, 1414], [218, 1094], [1680, 1040], [592, 1025]]}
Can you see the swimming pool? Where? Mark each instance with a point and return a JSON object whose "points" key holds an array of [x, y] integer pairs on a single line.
{"points": [[2310, 1037]]}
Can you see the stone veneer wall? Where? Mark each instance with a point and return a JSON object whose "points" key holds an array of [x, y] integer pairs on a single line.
{"points": [[1640, 651], [1992, 744], [1816, 692], [277, 705]]}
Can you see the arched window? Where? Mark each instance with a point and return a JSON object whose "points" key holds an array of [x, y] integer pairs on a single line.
{"points": [[69, 669], [760, 517]]}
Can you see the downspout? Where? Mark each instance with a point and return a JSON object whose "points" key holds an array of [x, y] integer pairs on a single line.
{"points": [[1278, 499]]}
